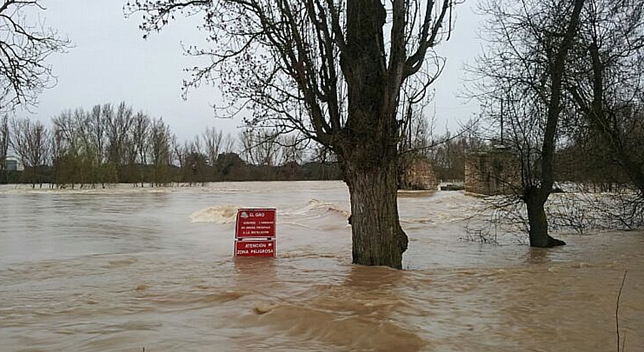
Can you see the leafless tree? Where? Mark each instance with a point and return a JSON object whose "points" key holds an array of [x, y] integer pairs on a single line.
{"points": [[260, 147], [418, 132], [292, 149], [78, 144], [213, 144], [333, 70], [97, 127], [180, 151], [119, 123], [529, 46], [31, 142], [25, 44], [140, 135], [192, 160], [195, 145], [322, 154], [160, 151], [138, 144], [65, 148], [606, 83]]}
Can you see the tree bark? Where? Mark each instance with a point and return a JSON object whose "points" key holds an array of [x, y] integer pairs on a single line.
{"points": [[538, 222], [377, 236], [368, 143], [536, 197]]}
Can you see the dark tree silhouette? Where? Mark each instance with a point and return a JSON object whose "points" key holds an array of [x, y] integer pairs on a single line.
{"points": [[332, 70], [24, 46], [160, 151], [530, 42], [606, 81], [31, 142]]}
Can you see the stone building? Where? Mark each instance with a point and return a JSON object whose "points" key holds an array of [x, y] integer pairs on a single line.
{"points": [[493, 172], [13, 164], [417, 173]]}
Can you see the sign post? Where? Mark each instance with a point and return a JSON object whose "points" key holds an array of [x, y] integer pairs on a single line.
{"points": [[255, 232]]}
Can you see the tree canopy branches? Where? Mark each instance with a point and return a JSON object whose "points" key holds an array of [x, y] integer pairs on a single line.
{"points": [[526, 70], [24, 46], [287, 61]]}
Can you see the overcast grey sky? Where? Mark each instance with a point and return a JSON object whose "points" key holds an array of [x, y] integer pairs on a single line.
{"points": [[110, 62]]}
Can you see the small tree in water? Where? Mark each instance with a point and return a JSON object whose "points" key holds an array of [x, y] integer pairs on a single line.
{"points": [[525, 71], [327, 69]]}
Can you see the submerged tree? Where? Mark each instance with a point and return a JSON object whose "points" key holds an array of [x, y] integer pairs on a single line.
{"points": [[24, 46], [524, 71], [333, 70]]}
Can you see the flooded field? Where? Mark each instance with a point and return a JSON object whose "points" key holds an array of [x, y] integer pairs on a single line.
{"points": [[124, 268]]}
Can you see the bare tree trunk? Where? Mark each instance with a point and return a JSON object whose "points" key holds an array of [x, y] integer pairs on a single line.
{"points": [[377, 237], [369, 151], [538, 222], [536, 197]]}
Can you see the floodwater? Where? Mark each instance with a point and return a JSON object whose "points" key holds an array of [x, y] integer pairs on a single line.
{"points": [[127, 269]]}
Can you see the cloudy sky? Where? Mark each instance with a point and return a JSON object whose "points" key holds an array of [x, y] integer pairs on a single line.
{"points": [[111, 62]]}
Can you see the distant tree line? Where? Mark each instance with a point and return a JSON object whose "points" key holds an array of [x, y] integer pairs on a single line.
{"points": [[114, 144]]}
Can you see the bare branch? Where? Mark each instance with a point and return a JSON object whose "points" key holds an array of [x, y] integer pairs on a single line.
{"points": [[24, 48]]}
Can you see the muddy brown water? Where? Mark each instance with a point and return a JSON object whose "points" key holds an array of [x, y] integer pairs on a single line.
{"points": [[122, 269]]}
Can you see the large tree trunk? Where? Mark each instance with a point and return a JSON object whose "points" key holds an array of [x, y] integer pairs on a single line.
{"points": [[368, 143], [538, 222], [377, 237]]}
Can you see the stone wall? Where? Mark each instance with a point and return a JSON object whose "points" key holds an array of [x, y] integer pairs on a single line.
{"points": [[418, 174], [492, 173]]}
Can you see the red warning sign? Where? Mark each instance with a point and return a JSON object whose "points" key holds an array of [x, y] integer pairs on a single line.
{"points": [[254, 223], [255, 248]]}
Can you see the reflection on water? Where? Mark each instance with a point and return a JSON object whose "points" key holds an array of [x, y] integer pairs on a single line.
{"points": [[539, 255], [121, 269]]}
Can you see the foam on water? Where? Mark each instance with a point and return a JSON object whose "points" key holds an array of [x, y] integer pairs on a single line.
{"points": [[316, 207], [313, 209], [224, 214]]}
